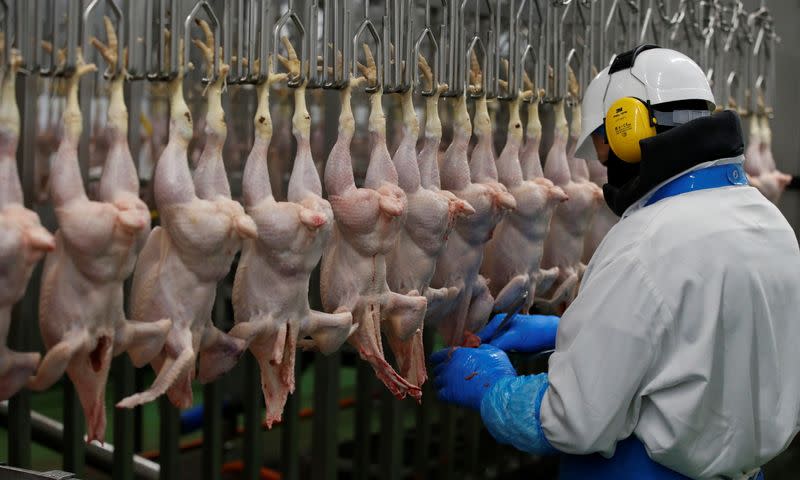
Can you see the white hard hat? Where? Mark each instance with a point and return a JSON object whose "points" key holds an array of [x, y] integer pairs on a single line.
{"points": [[656, 75], [649, 73], [592, 111]]}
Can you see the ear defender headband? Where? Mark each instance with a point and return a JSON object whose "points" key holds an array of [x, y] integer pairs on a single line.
{"points": [[630, 120]]}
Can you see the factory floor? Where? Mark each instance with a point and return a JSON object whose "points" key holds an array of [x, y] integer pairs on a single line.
{"points": [[49, 403]]}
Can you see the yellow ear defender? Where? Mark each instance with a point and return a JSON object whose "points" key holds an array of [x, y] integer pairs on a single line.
{"points": [[628, 121]]}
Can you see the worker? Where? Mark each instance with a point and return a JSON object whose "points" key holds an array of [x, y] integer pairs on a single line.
{"points": [[678, 358]]}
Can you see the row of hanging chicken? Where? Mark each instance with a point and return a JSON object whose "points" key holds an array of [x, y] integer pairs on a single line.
{"points": [[436, 238]]}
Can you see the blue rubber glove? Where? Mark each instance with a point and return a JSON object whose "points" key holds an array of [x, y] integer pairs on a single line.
{"points": [[464, 375], [525, 334]]}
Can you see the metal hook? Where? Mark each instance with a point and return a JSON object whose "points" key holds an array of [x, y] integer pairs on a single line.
{"points": [[514, 60], [263, 8], [187, 29], [648, 23], [559, 69], [368, 26], [73, 26], [728, 63], [276, 32], [583, 73], [6, 31], [762, 54], [315, 78], [538, 71], [119, 67], [234, 12], [427, 33], [396, 79], [711, 29], [450, 32], [335, 29], [614, 12], [252, 40], [135, 69], [162, 71], [474, 42], [673, 19]]}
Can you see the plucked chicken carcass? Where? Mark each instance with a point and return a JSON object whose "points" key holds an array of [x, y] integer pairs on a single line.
{"points": [[476, 183], [201, 231], [23, 240], [270, 293], [604, 218], [81, 313], [759, 162], [563, 247], [531, 164], [367, 223], [431, 216], [513, 255]]}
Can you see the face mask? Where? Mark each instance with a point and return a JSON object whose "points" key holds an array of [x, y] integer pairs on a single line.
{"points": [[620, 172], [622, 180]]}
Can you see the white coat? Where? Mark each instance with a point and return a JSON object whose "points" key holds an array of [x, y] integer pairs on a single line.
{"points": [[686, 333]]}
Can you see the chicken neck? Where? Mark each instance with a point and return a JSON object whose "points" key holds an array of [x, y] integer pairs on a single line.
{"points": [[380, 169], [304, 178], [255, 180], [405, 158], [482, 164], [557, 167], [427, 159], [210, 178], [455, 174], [529, 159], [509, 171], [339, 169], [66, 181]]}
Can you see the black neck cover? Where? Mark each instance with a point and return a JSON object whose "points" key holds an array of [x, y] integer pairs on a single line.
{"points": [[670, 153]]}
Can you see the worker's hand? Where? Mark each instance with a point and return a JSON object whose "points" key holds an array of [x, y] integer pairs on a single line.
{"points": [[464, 375], [525, 333]]}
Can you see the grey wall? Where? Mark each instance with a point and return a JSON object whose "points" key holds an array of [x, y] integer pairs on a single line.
{"points": [[785, 127]]}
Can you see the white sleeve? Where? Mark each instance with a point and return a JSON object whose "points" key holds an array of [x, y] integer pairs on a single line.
{"points": [[606, 343]]}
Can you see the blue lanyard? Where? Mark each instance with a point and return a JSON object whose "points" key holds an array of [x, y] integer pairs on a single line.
{"points": [[702, 179]]}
